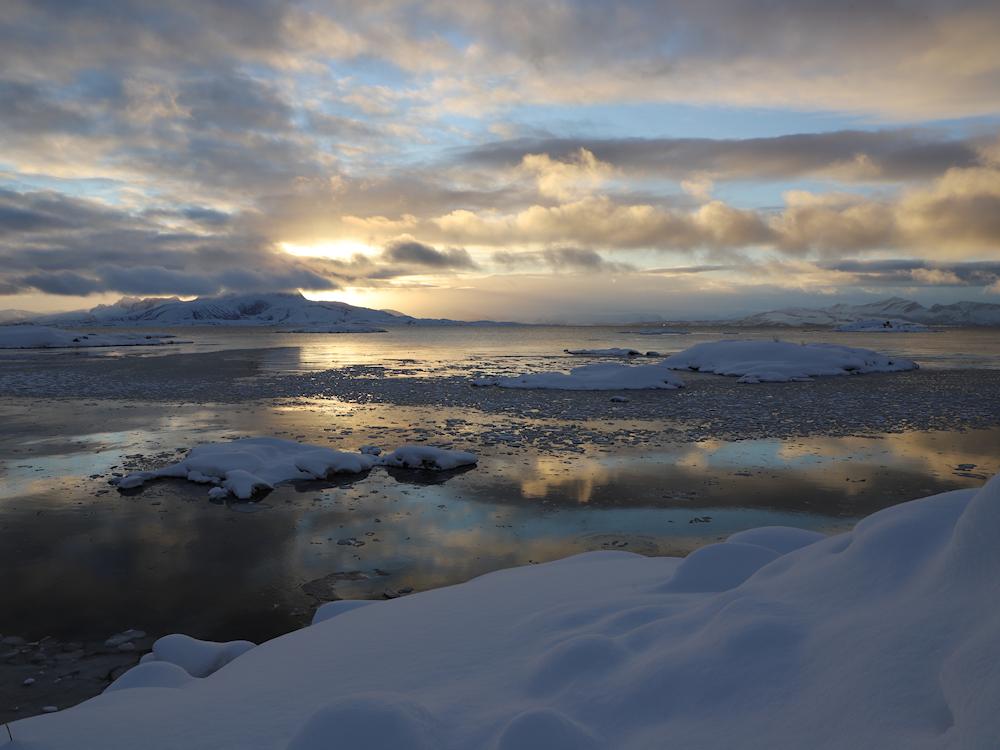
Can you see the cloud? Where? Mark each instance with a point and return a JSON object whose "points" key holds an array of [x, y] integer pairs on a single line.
{"points": [[561, 259], [419, 254], [70, 246], [848, 155]]}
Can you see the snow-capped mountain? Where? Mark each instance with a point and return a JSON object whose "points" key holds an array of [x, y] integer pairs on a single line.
{"points": [[895, 308], [272, 309]]}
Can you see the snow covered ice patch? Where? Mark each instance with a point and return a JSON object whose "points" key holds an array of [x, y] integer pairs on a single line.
{"points": [[884, 636], [242, 467], [47, 337], [781, 361], [602, 376], [427, 457]]}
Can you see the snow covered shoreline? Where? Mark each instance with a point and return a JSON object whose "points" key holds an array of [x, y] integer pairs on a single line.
{"points": [[46, 337], [774, 638]]}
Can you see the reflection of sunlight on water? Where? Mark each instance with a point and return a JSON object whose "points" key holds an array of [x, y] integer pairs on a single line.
{"points": [[575, 479]]}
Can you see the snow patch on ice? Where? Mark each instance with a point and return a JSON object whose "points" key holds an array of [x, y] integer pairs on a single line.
{"points": [[244, 466], [427, 457], [602, 376], [781, 361]]}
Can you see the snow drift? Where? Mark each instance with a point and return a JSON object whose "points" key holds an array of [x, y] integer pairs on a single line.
{"points": [[781, 361], [605, 376], [777, 638], [47, 337]]}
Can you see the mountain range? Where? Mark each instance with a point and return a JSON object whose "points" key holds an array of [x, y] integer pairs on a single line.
{"points": [[271, 309], [894, 308], [290, 309]]}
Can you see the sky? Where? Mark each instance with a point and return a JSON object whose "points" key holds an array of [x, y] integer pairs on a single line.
{"points": [[535, 160]]}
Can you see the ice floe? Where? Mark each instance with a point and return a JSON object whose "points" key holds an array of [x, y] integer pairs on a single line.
{"points": [[47, 337], [884, 636], [782, 361], [427, 457], [602, 376], [241, 467]]}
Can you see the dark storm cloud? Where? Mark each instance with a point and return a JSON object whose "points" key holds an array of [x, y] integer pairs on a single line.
{"points": [[913, 271], [419, 254], [60, 245], [28, 108], [884, 155]]}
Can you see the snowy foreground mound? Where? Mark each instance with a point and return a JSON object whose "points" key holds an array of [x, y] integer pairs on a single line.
{"points": [[607, 376], [883, 637], [882, 326], [46, 337], [242, 467], [781, 361]]}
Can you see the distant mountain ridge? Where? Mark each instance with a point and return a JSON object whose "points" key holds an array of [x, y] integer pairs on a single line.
{"points": [[895, 308], [270, 309]]}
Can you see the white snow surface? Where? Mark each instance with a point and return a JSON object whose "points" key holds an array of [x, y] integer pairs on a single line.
{"points": [[196, 657], [877, 325], [881, 637], [602, 376], [782, 361], [427, 457], [47, 337], [244, 466]]}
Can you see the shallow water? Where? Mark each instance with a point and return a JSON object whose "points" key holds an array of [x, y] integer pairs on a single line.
{"points": [[82, 560], [440, 351]]}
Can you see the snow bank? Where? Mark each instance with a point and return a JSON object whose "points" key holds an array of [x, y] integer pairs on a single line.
{"points": [[46, 337], [196, 657], [882, 326], [242, 467], [881, 637], [781, 361], [606, 376], [427, 457]]}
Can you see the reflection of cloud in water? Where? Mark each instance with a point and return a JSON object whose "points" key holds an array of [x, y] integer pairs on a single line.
{"points": [[425, 476]]}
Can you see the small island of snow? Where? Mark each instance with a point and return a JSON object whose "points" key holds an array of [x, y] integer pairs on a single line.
{"points": [[781, 361]]}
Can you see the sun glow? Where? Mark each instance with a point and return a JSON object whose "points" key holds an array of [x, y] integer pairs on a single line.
{"points": [[334, 250]]}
